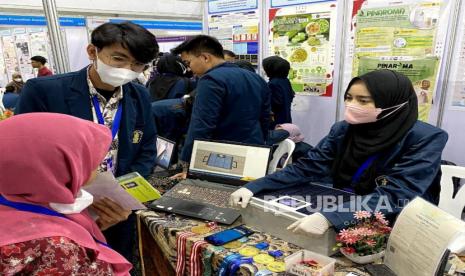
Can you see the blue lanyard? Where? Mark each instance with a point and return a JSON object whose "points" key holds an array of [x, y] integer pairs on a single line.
{"points": [[36, 209], [224, 267], [116, 121], [236, 263], [363, 167]]}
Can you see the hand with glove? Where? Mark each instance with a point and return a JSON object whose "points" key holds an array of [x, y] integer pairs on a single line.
{"points": [[242, 195], [315, 224]]}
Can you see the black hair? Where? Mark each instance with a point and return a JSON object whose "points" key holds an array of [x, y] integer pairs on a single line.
{"points": [[276, 67], [40, 59], [229, 53], [199, 44], [141, 43], [9, 88], [244, 64]]}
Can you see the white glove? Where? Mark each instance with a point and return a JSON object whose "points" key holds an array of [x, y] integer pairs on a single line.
{"points": [[242, 195], [315, 224]]}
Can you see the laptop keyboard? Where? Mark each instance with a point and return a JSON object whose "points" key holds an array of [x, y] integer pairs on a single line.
{"points": [[216, 197]]}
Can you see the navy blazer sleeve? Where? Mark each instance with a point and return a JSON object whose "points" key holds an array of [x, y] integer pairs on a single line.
{"points": [[316, 167], [31, 99], [205, 114], [147, 154], [265, 116], [410, 176]]}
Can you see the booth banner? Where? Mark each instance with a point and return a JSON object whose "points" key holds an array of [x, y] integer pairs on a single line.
{"points": [[421, 71], [163, 25], [404, 30], [305, 36], [26, 20]]}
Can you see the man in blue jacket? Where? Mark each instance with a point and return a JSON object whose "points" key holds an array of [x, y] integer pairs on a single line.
{"points": [[232, 104], [103, 93]]}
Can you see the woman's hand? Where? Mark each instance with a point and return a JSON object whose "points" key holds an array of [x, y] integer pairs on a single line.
{"points": [[315, 224], [109, 213]]}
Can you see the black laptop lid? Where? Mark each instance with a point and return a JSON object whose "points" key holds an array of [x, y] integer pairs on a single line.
{"points": [[228, 162]]}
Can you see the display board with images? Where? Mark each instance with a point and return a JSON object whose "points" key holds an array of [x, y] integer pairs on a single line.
{"points": [[305, 36], [18, 46], [402, 36], [237, 32]]}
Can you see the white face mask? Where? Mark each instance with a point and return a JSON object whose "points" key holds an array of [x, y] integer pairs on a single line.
{"points": [[114, 76], [83, 200], [18, 79]]}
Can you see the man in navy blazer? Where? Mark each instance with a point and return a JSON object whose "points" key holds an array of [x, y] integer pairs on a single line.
{"points": [[231, 104], [103, 93]]}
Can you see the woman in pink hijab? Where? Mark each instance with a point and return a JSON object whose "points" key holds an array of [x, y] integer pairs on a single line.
{"points": [[45, 160]]}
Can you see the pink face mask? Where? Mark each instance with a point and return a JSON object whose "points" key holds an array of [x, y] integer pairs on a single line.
{"points": [[354, 114]]}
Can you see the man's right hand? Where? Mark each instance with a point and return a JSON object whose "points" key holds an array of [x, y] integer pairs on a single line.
{"points": [[243, 195], [179, 176]]}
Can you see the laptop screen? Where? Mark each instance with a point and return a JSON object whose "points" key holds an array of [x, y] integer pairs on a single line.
{"points": [[165, 150], [227, 160]]}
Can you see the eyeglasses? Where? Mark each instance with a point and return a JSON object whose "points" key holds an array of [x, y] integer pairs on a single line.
{"points": [[188, 62], [119, 62]]}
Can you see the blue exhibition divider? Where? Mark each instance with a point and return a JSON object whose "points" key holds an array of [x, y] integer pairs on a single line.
{"points": [[164, 25], [23, 20]]}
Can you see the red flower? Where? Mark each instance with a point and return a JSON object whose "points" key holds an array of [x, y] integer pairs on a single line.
{"points": [[351, 240], [370, 242], [348, 250]]}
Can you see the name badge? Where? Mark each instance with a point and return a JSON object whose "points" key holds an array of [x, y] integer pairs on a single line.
{"points": [[137, 136]]}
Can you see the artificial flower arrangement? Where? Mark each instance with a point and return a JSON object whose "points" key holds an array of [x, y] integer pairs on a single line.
{"points": [[367, 237], [6, 114]]}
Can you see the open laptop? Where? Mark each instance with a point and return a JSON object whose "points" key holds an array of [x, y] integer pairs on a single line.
{"points": [[165, 149], [215, 171]]}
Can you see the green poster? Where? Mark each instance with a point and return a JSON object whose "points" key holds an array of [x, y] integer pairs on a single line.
{"points": [[304, 40], [405, 30], [421, 71]]}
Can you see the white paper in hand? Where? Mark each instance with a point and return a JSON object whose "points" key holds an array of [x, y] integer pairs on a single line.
{"points": [[105, 185]]}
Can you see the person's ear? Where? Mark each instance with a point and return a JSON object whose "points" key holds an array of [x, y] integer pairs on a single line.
{"points": [[207, 57], [92, 52]]}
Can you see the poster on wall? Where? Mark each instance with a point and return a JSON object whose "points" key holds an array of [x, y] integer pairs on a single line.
{"points": [[421, 71], [305, 36], [23, 56], [3, 77], [237, 32], [40, 45], [9, 56], [403, 32]]}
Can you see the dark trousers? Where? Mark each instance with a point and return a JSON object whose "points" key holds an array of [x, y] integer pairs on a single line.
{"points": [[122, 237]]}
